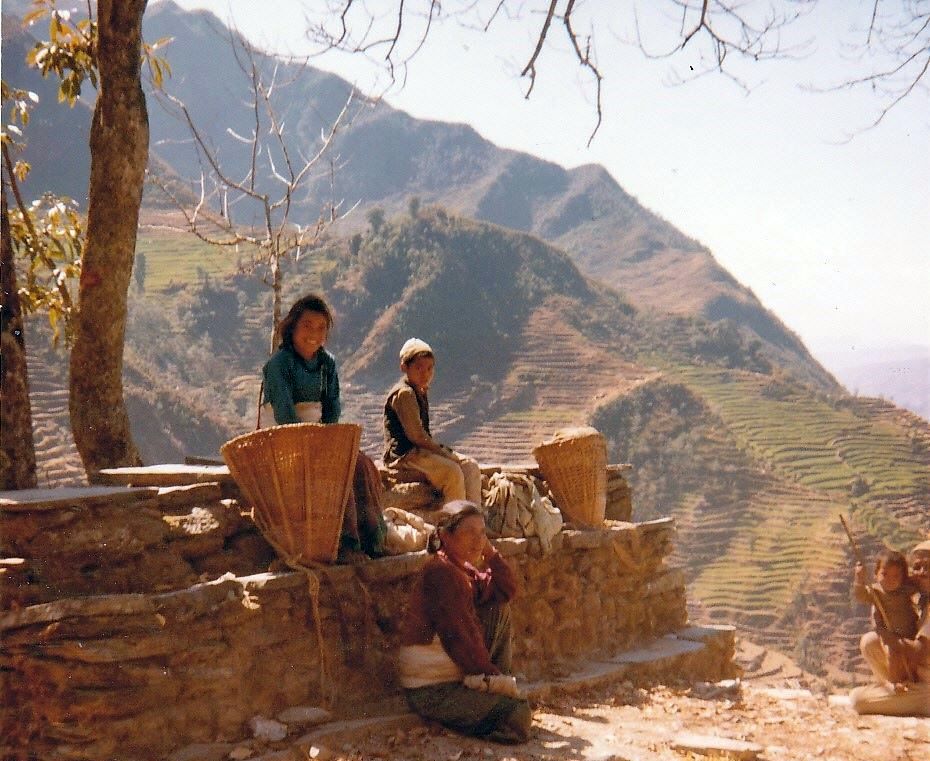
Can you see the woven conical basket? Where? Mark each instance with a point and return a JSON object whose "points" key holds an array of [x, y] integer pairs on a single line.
{"points": [[297, 479], [574, 464]]}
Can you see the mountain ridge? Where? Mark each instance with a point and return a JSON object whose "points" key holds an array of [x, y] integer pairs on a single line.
{"points": [[390, 157]]}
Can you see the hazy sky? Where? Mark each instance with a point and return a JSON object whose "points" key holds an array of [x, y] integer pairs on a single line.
{"points": [[830, 233]]}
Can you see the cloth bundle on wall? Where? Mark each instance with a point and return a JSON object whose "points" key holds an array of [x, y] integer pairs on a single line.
{"points": [[515, 508], [406, 532]]}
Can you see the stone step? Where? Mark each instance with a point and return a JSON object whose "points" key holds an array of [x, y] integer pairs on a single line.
{"points": [[31, 500], [57, 459], [696, 653]]}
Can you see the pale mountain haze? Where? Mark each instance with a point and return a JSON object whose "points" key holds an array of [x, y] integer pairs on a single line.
{"points": [[900, 374]]}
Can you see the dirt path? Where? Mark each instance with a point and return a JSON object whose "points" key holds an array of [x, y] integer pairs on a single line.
{"points": [[629, 724], [775, 707], [785, 727]]}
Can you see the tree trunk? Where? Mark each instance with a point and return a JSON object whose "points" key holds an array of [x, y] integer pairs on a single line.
{"points": [[119, 144], [17, 451]]}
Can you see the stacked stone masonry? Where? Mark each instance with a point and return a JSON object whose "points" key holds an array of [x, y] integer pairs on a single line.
{"points": [[135, 621]]}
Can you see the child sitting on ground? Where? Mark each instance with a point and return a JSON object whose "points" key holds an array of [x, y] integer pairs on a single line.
{"points": [[893, 612], [409, 445]]}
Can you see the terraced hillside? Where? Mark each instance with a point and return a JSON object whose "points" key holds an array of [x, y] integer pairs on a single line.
{"points": [[787, 543], [822, 443], [57, 460], [546, 387], [757, 470], [868, 451], [173, 259]]}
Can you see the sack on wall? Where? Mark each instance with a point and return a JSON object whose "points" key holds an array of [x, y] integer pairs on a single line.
{"points": [[406, 532], [515, 508]]}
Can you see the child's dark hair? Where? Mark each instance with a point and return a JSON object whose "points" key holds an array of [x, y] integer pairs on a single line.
{"points": [[891, 558], [451, 517], [309, 303]]}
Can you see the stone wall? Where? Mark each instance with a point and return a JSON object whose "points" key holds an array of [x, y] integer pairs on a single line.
{"points": [[181, 649], [112, 540]]}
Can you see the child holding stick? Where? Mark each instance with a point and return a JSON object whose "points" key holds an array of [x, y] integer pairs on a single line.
{"points": [[893, 613]]}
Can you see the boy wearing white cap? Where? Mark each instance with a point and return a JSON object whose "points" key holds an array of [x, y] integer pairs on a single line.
{"points": [[408, 441]]}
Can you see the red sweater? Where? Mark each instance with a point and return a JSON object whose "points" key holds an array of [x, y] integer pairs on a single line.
{"points": [[444, 600]]}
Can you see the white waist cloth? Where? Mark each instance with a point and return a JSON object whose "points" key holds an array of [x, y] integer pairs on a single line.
{"points": [[422, 665], [307, 412]]}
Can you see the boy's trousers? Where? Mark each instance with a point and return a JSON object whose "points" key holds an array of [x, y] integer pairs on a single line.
{"points": [[875, 655], [457, 477]]}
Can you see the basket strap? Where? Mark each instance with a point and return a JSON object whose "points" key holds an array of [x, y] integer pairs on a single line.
{"points": [[261, 393], [327, 685]]}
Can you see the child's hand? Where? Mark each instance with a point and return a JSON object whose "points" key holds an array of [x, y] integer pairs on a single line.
{"points": [[499, 684], [859, 576], [896, 645]]}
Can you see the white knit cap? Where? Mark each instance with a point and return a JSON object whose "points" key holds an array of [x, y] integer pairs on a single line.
{"points": [[412, 347]]}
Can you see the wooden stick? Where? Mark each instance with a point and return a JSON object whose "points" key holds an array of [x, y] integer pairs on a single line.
{"points": [[871, 592]]}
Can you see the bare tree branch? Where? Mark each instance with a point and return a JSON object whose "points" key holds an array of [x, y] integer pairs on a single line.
{"points": [[397, 33], [896, 57], [717, 36], [722, 26], [271, 180], [530, 68], [868, 39], [584, 58]]}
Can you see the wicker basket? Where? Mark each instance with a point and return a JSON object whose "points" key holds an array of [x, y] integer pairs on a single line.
{"points": [[574, 464], [297, 479]]}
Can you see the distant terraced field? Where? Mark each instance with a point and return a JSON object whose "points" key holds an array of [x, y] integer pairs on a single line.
{"points": [[175, 258], [546, 388], [814, 441], [777, 561], [784, 535]]}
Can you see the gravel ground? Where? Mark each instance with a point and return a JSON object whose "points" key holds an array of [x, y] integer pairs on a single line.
{"points": [[776, 711]]}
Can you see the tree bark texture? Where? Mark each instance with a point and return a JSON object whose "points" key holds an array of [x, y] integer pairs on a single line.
{"points": [[17, 450], [119, 144]]}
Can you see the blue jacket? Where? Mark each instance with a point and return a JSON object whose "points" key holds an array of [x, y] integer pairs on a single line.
{"points": [[290, 379]]}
